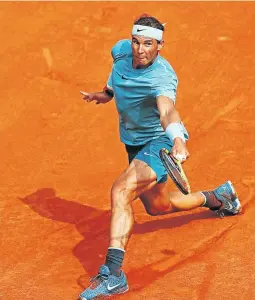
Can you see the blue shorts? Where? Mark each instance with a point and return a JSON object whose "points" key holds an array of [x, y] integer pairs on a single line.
{"points": [[149, 153]]}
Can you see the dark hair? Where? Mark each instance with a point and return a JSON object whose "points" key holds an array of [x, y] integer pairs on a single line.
{"points": [[147, 20]]}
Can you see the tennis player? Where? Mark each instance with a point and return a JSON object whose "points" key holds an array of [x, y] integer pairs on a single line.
{"points": [[144, 85]]}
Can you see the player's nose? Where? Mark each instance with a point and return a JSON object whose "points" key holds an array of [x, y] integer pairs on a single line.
{"points": [[140, 49]]}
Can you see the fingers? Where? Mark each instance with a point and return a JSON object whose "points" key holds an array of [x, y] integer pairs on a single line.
{"points": [[84, 93], [86, 96], [180, 153], [180, 157]]}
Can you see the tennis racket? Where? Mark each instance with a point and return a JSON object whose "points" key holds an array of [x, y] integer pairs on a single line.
{"points": [[175, 171]]}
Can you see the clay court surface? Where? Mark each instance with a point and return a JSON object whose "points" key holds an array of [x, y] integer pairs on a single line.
{"points": [[60, 155]]}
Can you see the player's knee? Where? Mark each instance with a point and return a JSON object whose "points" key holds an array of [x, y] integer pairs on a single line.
{"points": [[152, 211], [120, 193], [157, 209]]}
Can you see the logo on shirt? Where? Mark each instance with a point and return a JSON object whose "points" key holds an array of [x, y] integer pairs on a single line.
{"points": [[124, 77]]}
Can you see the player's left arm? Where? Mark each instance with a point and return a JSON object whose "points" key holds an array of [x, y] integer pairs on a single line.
{"points": [[171, 123]]}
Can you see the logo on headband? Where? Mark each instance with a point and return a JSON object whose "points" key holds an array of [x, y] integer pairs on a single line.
{"points": [[150, 32]]}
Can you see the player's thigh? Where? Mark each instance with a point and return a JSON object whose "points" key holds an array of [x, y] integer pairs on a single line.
{"points": [[135, 180], [150, 155]]}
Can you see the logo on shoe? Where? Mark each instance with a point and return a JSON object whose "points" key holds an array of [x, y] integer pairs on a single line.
{"points": [[230, 206], [109, 288]]}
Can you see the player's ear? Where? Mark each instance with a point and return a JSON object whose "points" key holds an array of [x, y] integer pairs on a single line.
{"points": [[160, 45]]}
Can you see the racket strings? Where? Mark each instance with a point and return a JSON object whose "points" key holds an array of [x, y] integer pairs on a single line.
{"points": [[175, 171]]}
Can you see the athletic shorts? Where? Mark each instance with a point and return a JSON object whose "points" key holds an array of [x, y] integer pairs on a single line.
{"points": [[149, 153]]}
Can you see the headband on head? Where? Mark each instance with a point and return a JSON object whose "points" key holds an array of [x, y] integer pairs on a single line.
{"points": [[147, 31]]}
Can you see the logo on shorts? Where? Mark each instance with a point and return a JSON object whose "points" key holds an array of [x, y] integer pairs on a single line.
{"points": [[145, 153]]}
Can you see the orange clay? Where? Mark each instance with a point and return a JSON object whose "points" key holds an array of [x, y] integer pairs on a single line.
{"points": [[60, 155]]}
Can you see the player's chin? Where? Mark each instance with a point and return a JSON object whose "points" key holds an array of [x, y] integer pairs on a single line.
{"points": [[142, 61]]}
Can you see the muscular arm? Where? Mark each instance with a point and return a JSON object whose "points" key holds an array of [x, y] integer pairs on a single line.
{"points": [[167, 110], [169, 114], [99, 97]]}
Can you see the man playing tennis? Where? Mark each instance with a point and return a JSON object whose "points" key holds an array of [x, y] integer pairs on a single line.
{"points": [[143, 85]]}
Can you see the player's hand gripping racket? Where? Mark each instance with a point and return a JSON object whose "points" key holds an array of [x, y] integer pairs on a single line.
{"points": [[175, 171]]}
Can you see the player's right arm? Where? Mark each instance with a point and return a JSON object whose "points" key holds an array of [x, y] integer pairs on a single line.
{"points": [[119, 51], [100, 97]]}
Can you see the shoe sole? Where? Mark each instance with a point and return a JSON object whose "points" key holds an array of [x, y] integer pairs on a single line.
{"points": [[102, 297]]}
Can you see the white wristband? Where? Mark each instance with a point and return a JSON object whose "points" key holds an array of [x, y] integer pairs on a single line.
{"points": [[174, 130]]}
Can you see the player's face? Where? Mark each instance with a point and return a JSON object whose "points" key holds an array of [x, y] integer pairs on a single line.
{"points": [[145, 50]]}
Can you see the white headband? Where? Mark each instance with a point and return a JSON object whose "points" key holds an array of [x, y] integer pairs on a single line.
{"points": [[147, 31]]}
